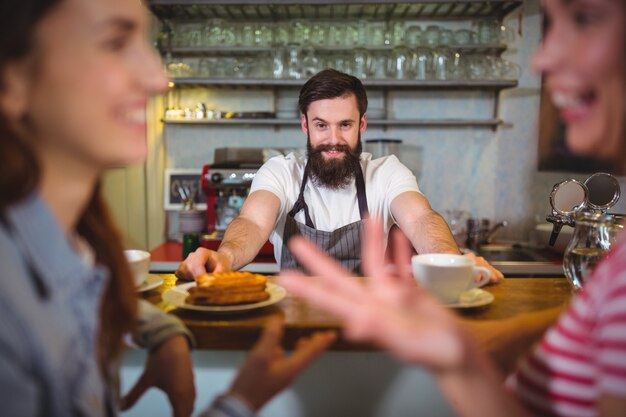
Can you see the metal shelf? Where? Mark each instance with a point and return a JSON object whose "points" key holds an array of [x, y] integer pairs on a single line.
{"points": [[239, 50], [190, 10], [443, 123], [417, 84]]}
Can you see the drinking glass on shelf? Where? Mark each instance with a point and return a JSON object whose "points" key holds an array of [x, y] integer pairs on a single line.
{"points": [[464, 37], [213, 32], [379, 65], [458, 69], [491, 31], [301, 32], [220, 69], [363, 30], [431, 35], [362, 62], [446, 37], [228, 37], [423, 63], [400, 63], [477, 67], [194, 35], [204, 67], [341, 63], [376, 34], [442, 63], [398, 32], [260, 67], [336, 34], [262, 35], [294, 68], [279, 62], [414, 35], [239, 68], [502, 69], [351, 38], [509, 70], [245, 34], [281, 35], [310, 63], [319, 33]]}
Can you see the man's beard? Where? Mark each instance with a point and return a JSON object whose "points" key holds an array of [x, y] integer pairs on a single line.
{"points": [[333, 173]]}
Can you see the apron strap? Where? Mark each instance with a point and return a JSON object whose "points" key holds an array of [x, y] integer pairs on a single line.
{"points": [[300, 203], [360, 194]]}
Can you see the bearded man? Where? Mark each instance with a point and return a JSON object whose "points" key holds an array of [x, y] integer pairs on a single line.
{"points": [[327, 194]]}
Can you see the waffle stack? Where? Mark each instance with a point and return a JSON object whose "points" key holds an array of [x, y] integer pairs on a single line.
{"points": [[228, 288]]}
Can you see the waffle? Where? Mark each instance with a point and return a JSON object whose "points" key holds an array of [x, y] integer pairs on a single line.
{"points": [[228, 288]]}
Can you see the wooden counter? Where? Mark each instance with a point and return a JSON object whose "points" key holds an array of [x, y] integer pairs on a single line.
{"points": [[240, 331]]}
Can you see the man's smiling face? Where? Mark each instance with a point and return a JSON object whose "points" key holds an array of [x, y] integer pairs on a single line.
{"points": [[333, 128]]}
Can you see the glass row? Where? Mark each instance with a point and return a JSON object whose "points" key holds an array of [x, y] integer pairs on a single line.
{"points": [[363, 33], [401, 63]]}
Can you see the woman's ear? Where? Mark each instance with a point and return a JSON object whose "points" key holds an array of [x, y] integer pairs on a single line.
{"points": [[14, 91]]}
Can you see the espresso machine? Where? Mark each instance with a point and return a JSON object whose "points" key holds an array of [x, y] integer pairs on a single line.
{"points": [[226, 183]]}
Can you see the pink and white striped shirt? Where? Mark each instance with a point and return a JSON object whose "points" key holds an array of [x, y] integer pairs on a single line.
{"points": [[584, 354]]}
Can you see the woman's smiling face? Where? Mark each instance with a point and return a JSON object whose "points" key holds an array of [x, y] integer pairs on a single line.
{"points": [[87, 81], [582, 58]]}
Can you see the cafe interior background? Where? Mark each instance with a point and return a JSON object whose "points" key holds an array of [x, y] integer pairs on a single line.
{"points": [[485, 167], [469, 133]]}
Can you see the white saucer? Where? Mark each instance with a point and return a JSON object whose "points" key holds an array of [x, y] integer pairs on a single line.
{"points": [[152, 281], [472, 298], [177, 295]]}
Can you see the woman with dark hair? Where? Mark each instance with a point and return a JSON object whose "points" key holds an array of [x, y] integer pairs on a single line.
{"points": [[75, 77], [579, 367]]}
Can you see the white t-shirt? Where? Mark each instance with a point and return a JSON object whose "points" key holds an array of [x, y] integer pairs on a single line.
{"points": [[385, 179]]}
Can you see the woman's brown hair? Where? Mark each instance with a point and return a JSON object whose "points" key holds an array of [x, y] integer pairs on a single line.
{"points": [[20, 173]]}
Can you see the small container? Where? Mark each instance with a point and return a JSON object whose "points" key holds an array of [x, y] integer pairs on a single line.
{"points": [[591, 241], [191, 223], [191, 242]]}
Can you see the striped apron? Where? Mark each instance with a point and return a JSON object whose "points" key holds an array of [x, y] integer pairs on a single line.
{"points": [[343, 244]]}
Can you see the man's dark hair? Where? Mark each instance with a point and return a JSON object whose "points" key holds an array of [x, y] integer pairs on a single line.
{"points": [[328, 84]]}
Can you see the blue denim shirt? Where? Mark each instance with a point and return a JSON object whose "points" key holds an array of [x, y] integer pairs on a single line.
{"points": [[49, 319], [49, 303]]}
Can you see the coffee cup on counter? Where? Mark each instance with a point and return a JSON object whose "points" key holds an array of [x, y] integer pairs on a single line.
{"points": [[447, 276], [139, 262]]}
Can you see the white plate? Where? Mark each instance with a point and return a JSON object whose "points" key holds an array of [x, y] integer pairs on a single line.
{"points": [[177, 295], [152, 281], [472, 298]]}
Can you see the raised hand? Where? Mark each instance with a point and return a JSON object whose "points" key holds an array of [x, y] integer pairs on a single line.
{"points": [[168, 368], [386, 307], [267, 371]]}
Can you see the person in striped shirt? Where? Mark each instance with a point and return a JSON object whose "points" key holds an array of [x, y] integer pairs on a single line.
{"points": [[579, 366]]}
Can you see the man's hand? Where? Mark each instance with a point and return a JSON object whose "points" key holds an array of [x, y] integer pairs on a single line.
{"points": [[202, 260], [168, 368], [495, 276], [267, 371]]}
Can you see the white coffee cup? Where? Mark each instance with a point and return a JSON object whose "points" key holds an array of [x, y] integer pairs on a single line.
{"points": [[139, 261], [447, 276]]}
